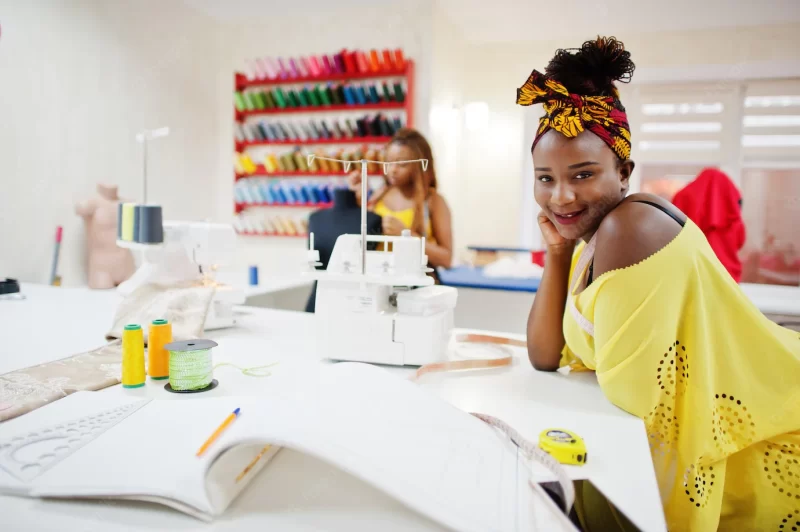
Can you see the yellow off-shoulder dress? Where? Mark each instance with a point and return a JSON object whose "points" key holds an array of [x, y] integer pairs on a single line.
{"points": [[675, 342]]}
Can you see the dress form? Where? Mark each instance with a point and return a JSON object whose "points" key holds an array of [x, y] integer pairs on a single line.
{"points": [[108, 265]]}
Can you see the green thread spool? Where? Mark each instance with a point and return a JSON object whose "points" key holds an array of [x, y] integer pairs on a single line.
{"points": [[238, 99], [249, 101], [387, 96], [280, 98], [302, 96], [398, 93], [259, 101], [190, 366], [323, 95], [269, 100], [313, 97]]}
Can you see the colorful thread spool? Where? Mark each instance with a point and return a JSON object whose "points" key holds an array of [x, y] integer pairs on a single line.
{"points": [[159, 335], [190, 367], [133, 373], [128, 213], [119, 221], [149, 228]]}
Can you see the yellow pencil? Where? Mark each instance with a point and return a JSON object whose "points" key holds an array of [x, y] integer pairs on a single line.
{"points": [[217, 432], [253, 463]]}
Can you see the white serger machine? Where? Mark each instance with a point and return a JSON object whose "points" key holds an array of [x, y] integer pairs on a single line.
{"points": [[192, 253], [380, 306]]}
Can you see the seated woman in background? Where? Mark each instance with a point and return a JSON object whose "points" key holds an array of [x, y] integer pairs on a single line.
{"points": [[645, 303], [410, 200]]}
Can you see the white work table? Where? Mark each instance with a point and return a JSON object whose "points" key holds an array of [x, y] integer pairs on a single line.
{"points": [[295, 491], [774, 299]]}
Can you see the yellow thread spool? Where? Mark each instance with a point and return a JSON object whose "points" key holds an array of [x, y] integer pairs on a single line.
{"points": [[128, 210], [271, 163], [248, 164], [132, 357], [323, 164], [313, 167], [237, 164], [159, 335]]}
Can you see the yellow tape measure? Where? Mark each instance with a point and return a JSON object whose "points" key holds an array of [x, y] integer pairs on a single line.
{"points": [[563, 445]]}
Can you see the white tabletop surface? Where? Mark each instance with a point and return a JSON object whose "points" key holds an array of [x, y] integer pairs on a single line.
{"points": [[774, 299], [274, 284], [298, 492]]}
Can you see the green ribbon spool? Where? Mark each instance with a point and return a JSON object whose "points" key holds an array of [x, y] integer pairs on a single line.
{"points": [[190, 366]]}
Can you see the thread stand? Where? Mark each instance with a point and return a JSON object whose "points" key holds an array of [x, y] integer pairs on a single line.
{"points": [[364, 177]]}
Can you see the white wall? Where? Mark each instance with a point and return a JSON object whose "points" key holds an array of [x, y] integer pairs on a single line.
{"points": [[77, 81], [445, 118]]}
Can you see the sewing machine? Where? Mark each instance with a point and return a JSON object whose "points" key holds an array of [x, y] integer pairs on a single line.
{"points": [[192, 252], [392, 313], [380, 306]]}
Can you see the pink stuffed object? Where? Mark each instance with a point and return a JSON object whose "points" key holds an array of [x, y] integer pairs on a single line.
{"points": [[108, 264]]}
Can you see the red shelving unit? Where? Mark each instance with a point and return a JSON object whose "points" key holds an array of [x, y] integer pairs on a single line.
{"points": [[262, 172], [406, 106], [243, 83], [382, 106], [297, 142], [241, 206]]}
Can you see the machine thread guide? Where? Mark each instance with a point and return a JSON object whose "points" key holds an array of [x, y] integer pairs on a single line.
{"points": [[364, 176]]}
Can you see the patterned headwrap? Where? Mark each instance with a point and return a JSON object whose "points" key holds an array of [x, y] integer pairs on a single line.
{"points": [[570, 114]]}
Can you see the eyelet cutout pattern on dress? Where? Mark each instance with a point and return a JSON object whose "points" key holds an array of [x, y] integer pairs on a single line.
{"points": [[731, 424], [663, 426], [791, 522], [782, 467], [667, 371], [663, 429], [699, 491]]}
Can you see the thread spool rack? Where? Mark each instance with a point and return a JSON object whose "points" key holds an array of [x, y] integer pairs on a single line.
{"points": [[356, 106]]}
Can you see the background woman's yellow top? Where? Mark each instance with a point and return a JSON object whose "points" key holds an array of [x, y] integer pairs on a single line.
{"points": [[678, 344], [406, 216]]}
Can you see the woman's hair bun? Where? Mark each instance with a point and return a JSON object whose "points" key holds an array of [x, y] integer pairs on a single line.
{"points": [[592, 69]]}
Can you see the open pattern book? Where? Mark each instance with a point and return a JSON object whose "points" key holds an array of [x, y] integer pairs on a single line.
{"points": [[403, 440]]}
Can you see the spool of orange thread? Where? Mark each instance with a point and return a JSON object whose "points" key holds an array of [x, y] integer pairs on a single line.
{"points": [[132, 356], [159, 335], [374, 61], [372, 155], [399, 60]]}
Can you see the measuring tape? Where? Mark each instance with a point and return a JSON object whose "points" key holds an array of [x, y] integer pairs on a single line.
{"points": [[563, 445], [536, 453]]}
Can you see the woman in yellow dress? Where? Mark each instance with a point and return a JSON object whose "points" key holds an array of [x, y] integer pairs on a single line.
{"points": [[644, 302], [410, 199]]}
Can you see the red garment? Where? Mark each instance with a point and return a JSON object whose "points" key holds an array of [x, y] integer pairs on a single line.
{"points": [[712, 202]]}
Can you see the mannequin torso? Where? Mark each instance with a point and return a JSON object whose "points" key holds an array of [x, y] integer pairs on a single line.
{"points": [[108, 265]]}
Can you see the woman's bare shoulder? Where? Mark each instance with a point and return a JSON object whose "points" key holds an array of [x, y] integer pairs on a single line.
{"points": [[634, 231], [436, 202]]}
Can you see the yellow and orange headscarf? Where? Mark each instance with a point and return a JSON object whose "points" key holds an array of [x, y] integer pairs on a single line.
{"points": [[570, 114]]}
